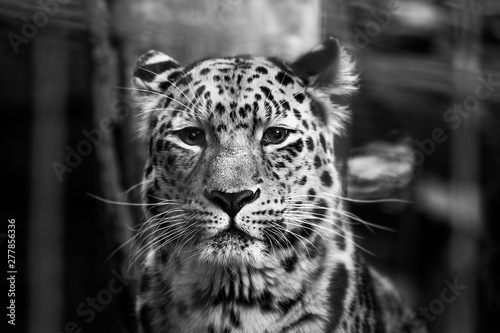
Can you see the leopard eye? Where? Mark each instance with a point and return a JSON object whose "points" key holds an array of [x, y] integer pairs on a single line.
{"points": [[192, 136], [275, 135]]}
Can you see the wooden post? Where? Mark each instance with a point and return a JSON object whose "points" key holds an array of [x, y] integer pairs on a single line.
{"points": [[46, 207], [107, 117], [465, 194]]}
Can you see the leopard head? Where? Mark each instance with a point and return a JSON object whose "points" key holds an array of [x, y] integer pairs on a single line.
{"points": [[241, 162]]}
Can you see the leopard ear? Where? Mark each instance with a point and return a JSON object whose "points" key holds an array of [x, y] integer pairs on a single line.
{"points": [[153, 74], [155, 71], [328, 68]]}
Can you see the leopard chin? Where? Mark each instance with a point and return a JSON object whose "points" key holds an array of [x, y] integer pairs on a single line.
{"points": [[229, 248]]}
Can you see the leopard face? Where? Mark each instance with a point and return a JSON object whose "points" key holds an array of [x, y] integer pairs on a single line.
{"points": [[241, 162]]}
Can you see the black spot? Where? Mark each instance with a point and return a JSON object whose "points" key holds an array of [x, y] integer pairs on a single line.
{"points": [[149, 169], [320, 210], [319, 111], [220, 109], [312, 194], [283, 78], [323, 141], [150, 147], [146, 318], [217, 78], [305, 124], [326, 179], [242, 112], [293, 148], [303, 181], [297, 114], [159, 146], [171, 160], [336, 295], [149, 72], [265, 301], [267, 93], [200, 91], [261, 70], [280, 165], [310, 143], [173, 76], [340, 239], [305, 230], [221, 128], [205, 71], [242, 126], [153, 122], [317, 162], [234, 318], [186, 79], [164, 85], [286, 106], [289, 263], [299, 97]]}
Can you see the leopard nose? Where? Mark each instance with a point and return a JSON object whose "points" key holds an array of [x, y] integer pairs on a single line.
{"points": [[231, 203]]}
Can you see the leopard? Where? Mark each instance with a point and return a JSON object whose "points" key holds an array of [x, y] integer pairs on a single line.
{"points": [[244, 224]]}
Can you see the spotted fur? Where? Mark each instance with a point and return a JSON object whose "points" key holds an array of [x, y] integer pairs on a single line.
{"points": [[245, 230]]}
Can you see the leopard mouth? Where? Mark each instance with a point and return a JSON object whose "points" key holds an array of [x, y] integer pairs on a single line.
{"points": [[233, 234], [233, 246]]}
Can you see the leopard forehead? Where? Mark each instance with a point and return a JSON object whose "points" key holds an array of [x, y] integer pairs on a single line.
{"points": [[238, 93]]}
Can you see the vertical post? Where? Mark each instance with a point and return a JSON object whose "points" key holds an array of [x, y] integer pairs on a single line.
{"points": [[465, 212], [109, 112], [46, 207]]}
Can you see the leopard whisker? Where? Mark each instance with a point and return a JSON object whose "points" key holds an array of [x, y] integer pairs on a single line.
{"points": [[299, 237], [157, 93], [122, 203], [390, 200], [163, 237], [173, 85], [306, 222]]}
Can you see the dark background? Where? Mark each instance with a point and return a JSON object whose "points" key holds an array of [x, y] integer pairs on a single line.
{"points": [[63, 68]]}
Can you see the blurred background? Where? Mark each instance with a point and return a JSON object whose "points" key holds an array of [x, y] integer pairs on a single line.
{"points": [[425, 130]]}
